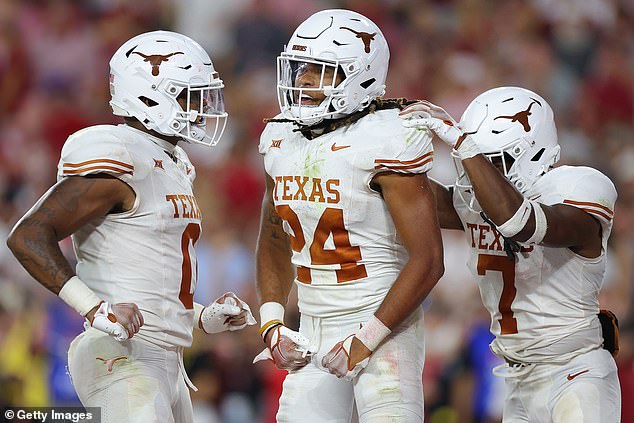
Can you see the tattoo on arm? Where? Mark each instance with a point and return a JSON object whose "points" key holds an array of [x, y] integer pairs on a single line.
{"points": [[38, 251], [272, 225], [35, 240], [51, 263]]}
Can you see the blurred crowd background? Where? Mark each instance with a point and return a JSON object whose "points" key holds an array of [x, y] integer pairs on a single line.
{"points": [[578, 54]]}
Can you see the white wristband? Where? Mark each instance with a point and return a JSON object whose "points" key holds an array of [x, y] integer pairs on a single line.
{"points": [[467, 148], [198, 310], [271, 311], [373, 333], [76, 294], [516, 223], [271, 315], [541, 224]]}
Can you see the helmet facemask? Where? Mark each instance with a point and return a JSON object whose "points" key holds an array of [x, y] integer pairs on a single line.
{"points": [[295, 100], [463, 185], [200, 113]]}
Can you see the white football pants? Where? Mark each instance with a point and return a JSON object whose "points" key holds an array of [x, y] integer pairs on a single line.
{"points": [[390, 388], [585, 390], [131, 381]]}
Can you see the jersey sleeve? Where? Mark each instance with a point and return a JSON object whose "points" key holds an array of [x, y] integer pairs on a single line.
{"points": [[263, 146], [584, 188], [272, 136], [95, 150], [406, 151], [594, 193]]}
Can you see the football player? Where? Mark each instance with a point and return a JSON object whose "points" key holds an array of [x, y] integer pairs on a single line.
{"points": [[538, 240], [124, 193], [348, 202]]}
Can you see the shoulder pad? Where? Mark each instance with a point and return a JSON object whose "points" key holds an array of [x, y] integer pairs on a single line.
{"points": [[582, 187], [274, 131], [405, 150], [97, 149]]}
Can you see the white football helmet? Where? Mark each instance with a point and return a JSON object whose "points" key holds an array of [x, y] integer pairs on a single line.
{"points": [[148, 74], [343, 44], [518, 127]]}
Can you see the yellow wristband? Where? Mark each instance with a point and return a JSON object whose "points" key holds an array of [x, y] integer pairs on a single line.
{"points": [[268, 326]]}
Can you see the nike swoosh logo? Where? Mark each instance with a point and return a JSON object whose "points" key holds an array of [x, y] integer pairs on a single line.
{"points": [[335, 147], [571, 377]]}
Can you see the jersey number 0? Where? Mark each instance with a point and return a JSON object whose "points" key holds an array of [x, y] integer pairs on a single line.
{"points": [[190, 236]]}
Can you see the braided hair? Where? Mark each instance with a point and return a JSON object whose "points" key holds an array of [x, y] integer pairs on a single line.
{"points": [[328, 125]]}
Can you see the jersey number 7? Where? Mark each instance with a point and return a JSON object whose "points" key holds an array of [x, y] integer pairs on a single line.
{"points": [[344, 254], [508, 323]]}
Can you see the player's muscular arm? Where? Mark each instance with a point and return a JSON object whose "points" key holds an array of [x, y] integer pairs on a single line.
{"points": [[288, 349], [497, 196], [447, 216], [567, 226], [573, 228], [66, 207], [274, 272], [411, 204]]}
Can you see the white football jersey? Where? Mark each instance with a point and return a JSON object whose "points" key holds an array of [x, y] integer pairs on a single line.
{"points": [[145, 255], [544, 304], [344, 242]]}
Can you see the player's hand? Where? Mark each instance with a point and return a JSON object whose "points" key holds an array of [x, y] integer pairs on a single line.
{"points": [[121, 320], [228, 312], [242, 320], [347, 358], [286, 348], [424, 114]]}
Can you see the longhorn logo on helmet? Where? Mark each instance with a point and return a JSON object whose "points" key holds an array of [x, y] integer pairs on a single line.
{"points": [[156, 60]]}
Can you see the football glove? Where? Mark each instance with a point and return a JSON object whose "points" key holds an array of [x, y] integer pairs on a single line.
{"points": [[286, 348], [107, 321], [222, 315], [424, 114], [337, 360]]}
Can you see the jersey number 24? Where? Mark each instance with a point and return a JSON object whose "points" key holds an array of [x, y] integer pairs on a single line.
{"points": [[344, 254]]}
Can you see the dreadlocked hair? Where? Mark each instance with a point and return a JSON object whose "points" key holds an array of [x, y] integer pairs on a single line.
{"points": [[329, 125]]}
